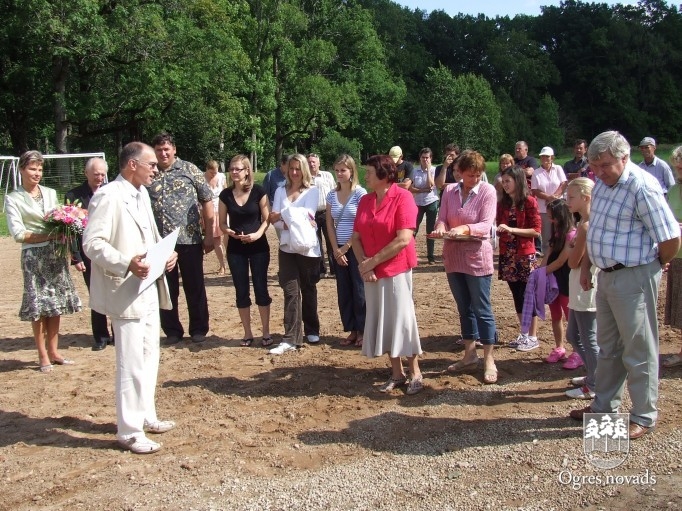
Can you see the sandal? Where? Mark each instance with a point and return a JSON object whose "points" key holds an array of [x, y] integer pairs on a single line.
{"points": [[352, 337], [392, 383], [358, 342], [461, 366], [63, 362], [672, 361], [266, 341], [46, 368], [247, 342], [490, 376], [415, 386]]}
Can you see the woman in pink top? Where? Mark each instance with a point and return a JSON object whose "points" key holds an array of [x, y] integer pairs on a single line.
{"points": [[468, 208], [383, 243]]}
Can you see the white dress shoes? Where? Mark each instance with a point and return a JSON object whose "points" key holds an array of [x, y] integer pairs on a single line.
{"points": [[158, 426], [139, 445]]}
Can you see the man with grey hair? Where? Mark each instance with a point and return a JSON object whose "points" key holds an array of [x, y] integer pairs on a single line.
{"points": [[521, 158], [95, 176], [120, 231], [633, 234]]}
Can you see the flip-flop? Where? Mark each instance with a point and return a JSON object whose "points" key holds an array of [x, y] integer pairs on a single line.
{"points": [[266, 341], [63, 362], [672, 361], [358, 342], [460, 366], [247, 342], [46, 368]]}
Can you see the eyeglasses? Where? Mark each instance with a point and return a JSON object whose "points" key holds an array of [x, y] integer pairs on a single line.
{"points": [[150, 164], [237, 169]]}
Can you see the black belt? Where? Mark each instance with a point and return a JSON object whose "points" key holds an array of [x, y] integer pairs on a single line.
{"points": [[615, 267]]}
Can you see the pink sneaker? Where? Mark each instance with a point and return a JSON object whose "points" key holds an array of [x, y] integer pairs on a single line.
{"points": [[573, 361], [556, 355]]}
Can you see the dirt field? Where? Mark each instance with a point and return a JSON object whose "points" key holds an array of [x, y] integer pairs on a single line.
{"points": [[248, 421]]}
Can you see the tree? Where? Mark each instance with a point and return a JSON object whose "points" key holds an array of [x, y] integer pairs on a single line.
{"points": [[547, 129], [468, 113]]}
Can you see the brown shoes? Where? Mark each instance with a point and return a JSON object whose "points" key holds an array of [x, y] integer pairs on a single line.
{"points": [[636, 430], [578, 414]]}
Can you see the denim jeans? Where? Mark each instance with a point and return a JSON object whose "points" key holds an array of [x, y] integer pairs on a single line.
{"points": [[472, 295], [298, 277], [350, 290], [239, 268], [581, 332], [431, 212]]}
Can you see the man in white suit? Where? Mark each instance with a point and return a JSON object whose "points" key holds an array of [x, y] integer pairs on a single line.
{"points": [[120, 230]]}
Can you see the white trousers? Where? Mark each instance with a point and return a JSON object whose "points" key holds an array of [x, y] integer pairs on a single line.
{"points": [[137, 366]]}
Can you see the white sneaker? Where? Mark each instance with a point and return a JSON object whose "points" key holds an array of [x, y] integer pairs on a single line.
{"points": [[282, 348], [313, 339], [158, 426], [530, 343], [578, 381], [580, 393], [519, 340], [140, 445]]}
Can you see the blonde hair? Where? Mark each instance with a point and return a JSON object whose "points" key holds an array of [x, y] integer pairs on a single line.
{"points": [[505, 158], [348, 161], [584, 186], [212, 164], [676, 155], [305, 170], [248, 179]]}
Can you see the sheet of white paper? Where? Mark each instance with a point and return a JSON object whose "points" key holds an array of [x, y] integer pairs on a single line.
{"points": [[156, 258]]}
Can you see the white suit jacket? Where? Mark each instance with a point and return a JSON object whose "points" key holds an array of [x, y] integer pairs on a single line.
{"points": [[112, 238]]}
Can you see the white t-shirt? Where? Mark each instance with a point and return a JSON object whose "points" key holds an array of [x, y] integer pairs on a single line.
{"points": [[547, 181]]}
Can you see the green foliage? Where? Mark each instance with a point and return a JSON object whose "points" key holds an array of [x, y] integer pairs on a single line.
{"points": [[332, 145], [468, 115], [273, 76], [548, 132]]}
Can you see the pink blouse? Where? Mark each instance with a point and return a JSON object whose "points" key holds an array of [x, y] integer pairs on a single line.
{"points": [[470, 257], [377, 227]]}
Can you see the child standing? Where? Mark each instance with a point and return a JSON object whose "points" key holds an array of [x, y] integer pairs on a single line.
{"points": [[556, 262], [582, 317]]}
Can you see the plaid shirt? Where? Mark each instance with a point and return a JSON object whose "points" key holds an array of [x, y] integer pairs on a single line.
{"points": [[628, 220]]}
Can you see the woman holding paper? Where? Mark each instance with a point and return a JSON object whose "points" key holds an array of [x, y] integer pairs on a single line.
{"points": [[468, 212]]}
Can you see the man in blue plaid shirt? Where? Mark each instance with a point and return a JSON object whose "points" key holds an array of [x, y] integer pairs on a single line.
{"points": [[632, 236]]}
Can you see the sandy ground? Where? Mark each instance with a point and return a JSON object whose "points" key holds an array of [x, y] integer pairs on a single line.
{"points": [[244, 414]]}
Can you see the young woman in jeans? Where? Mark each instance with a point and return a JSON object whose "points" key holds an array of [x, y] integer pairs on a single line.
{"points": [[342, 206]]}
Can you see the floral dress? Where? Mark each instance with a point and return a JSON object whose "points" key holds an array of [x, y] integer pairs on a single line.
{"points": [[513, 267]]}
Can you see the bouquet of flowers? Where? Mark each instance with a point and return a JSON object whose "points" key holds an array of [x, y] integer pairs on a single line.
{"points": [[67, 222]]}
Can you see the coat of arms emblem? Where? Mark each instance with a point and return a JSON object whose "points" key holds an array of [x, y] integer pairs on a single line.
{"points": [[606, 438]]}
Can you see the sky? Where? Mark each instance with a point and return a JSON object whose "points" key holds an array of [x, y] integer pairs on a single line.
{"points": [[490, 8]]}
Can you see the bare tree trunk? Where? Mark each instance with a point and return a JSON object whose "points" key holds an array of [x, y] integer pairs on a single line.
{"points": [[60, 70]]}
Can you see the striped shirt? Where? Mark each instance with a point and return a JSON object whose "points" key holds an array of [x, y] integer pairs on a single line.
{"points": [[628, 220], [344, 225]]}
